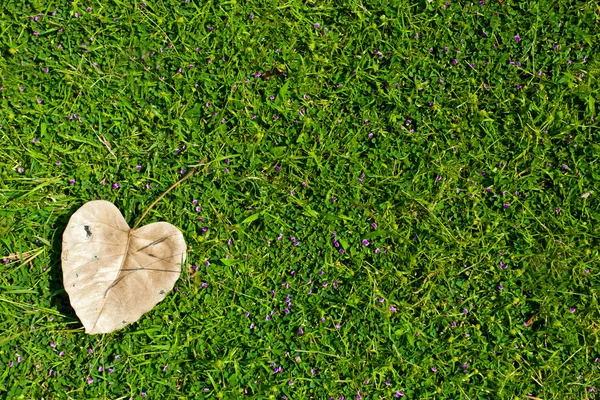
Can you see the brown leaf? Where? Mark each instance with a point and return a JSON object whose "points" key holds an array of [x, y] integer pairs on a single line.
{"points": [[17, 256], [270, 74], [114, 274]]}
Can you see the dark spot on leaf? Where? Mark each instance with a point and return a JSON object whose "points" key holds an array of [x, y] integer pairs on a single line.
{"points": [[88, 232], [162, 292]]}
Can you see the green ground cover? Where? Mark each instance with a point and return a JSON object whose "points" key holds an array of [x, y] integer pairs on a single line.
{"points": [[394, 199]]}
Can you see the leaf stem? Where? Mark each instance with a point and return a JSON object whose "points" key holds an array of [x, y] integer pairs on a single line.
{"points": [[163, 195]]}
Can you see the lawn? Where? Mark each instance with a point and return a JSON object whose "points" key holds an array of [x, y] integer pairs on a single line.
{"points": [[392, 199]]}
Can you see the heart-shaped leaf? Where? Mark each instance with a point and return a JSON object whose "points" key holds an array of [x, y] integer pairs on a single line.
{"points": [[114, 274]]}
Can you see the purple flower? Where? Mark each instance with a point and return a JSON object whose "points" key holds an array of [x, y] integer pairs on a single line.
{"points": [[19, 359], [572, 309], [116, 186], [20, 170], [251, 16], [500, 287], [434, 369], [399, 393], [438, 178], [365, 242], [90, 351], [557, 210], [165, 368], [517, 38], [138, 167], [207, 263], [143, 394], [392, 309], [506, 205], [300, 331], [89, 380]]}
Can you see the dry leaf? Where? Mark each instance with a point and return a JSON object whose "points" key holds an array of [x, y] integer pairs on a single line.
{"points": [[587, 194], [114, 274]]}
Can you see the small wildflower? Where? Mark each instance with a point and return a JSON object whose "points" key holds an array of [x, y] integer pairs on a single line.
{"points": [[517, 38], [89, 380], [365, 242]]}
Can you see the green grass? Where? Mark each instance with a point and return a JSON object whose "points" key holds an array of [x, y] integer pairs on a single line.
{"points": [[423, 316]]}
